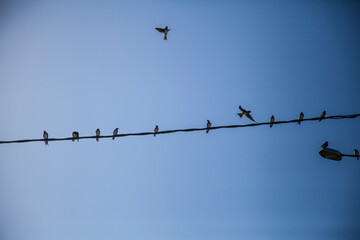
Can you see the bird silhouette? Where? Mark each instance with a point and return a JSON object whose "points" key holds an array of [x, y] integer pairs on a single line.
{"points": [[115, 132], [246, 113], [356, 153], [325, 145], [156, 130], [75, 135], [97, 133], [301, 117], [322, 116], [272, 119], [208, 126], [164, 31], [46, 136]]}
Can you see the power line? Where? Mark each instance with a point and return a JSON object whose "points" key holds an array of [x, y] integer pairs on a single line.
{"points": [[183, 130]]}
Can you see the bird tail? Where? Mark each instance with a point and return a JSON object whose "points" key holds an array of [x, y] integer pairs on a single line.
{"points": [[241, 115], [299, 122], [165, 37], [271, 125], [207, 130], [113, 138], [73, 139], [154, 134], [46, 143], [97, 139]]}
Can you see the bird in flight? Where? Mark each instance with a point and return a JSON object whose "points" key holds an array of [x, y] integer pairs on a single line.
{"points": [[301, 117], [115, 132], [97, 133], [325, 145], [246, 113], [322, 116], [75, 134], [356, 153], [156, 130], [164, 31], [272, 119], [46, 136], [208, 126]]}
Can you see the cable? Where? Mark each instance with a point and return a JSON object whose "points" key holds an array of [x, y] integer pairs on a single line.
{"points": [[182, 130]]}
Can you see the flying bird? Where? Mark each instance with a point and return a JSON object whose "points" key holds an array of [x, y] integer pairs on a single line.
{"points": [[356, 153], [156, 130], [246, 113], [115, 132], [97, 133], [75, 135], [164, 31], [325, 145], [46, 136], [208, 126], [322, 116], [301, 117], [272, 119]]}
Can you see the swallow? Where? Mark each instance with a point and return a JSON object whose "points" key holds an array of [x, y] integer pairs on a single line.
{"points": [[246, 113], [322, 116], [301, 117], [325, 145], [75, 135], [208, 126], [46, 136], [164, 31], [115, 132], [156, 130], [97, 133], [356, 153], [272, 119]]}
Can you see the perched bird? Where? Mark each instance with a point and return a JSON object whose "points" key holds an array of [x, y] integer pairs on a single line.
{"points": [[301, 117], [46, 136], [356, 153], [322, 116], [75, 135], [115, 132], [246, 113], [325, 145], [208, 126], [97, 133], [164, 31], [156, 129], [272, 119]]}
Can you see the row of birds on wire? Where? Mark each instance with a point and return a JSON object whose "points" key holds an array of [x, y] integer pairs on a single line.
{"points": [[75, 134], [356, 152]]}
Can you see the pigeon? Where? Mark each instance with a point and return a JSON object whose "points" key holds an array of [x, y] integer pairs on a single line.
{"points": [[156, 129], [325, 145], [46, 136], [164, 31], [97, 133], [208, 126], [115, 132], [301, 117], [246, 113], [272, 119], [75, 134], [356, 153], [322, 116]]}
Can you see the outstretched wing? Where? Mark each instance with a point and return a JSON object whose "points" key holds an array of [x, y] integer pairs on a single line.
{"points": [[250, 117], [241, 109], [160, 30]]}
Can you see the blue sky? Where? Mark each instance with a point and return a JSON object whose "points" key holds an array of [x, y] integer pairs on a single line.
{"points": [[82, 65]]}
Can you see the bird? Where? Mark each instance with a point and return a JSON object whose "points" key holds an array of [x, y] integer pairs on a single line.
{"points": [[164, 31], [272, 119], [97, 133], [115, 132], [322, 116], [246, 113], [208, 126], [75, 135], [46, 136], [301, 117], [156, 130], [356, 153], [325, 145]]}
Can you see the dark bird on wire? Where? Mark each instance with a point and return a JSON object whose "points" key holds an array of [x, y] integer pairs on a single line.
{"points": [[246, 113], [115, 132], [272, 119], [156, 130], [46, 136], [356, 153], [322, 116], [208, 126], [164, 31], [97, 133], [75, 135], [301, 117], [325, 145]]}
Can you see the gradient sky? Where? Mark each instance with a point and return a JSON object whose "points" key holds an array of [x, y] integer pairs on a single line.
{"points": [[82, 65]]}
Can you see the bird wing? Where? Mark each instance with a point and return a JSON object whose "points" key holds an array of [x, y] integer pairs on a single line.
{"points": [[241, 109], [250, 117], [160, 30]]}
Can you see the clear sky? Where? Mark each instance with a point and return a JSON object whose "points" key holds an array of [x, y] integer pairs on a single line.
{"points": [[82, 65]]}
